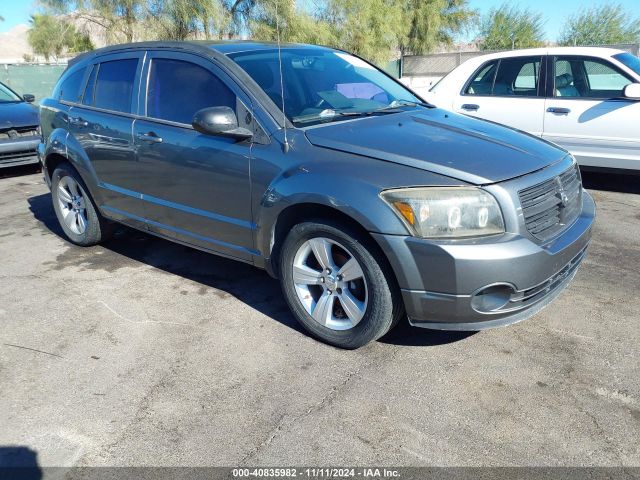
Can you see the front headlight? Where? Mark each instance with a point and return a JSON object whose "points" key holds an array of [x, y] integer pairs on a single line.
{"points": [[446, 212]]}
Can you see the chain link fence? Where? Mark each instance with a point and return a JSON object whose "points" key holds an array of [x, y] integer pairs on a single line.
{"points": [[38, 80]]}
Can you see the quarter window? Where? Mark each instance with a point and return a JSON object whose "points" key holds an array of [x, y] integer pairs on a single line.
{"points": [[69, 89], [178, 89], [88, 99], [588, 78], [114, 85]]}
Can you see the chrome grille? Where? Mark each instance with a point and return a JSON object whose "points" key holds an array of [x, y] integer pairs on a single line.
{"points": [[551, 206]]}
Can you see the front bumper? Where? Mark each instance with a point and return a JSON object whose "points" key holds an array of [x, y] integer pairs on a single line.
{"points": [[21, 151], [442, 282]]}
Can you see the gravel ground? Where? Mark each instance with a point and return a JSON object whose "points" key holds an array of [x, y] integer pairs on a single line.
{"points": [[143, 352]]}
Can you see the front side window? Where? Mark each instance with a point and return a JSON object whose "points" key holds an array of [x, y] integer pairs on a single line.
{"points": [[577, 77], [69, 89], [322, 85], [178, 89], [7, 95], [114, 85]]}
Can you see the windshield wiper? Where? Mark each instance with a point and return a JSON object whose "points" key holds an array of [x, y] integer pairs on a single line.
{"points": [[409, 103], [329, 115]]}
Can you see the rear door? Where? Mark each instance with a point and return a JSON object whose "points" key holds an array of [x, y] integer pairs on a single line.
{"points": [[508, 91], [587, 114], [196, 187], [102, 123]]}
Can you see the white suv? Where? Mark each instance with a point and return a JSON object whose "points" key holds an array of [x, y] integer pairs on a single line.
{"points": [[586, 100]]}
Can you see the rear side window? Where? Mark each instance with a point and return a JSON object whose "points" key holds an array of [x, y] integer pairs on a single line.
{"points": [[178, 89], [114, 85], [69, 89], [517, 76], [482, 84]]}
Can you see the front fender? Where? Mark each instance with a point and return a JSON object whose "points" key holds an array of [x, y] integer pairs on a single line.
{"points": [[348, 183]]}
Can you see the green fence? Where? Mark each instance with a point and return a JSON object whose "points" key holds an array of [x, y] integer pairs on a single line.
{"points": [[36, 79]]}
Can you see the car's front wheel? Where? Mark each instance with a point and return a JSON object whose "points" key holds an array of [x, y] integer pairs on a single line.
{"points": [[337, 287], [77, 215]]}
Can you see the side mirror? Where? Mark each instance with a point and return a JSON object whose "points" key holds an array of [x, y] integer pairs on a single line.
{"points": [[220, 121], [632, 91], [27, 97]]}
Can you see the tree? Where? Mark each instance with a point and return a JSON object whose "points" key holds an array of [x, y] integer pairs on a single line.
{"points": [[432, 23], [270, 18], [118, 18], [182, 19], [509, 27], [52, 36], [603, 25], [369, 28]]}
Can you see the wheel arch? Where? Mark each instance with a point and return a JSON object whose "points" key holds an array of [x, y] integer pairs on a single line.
{"points": [[310, 211], [61, 147]]}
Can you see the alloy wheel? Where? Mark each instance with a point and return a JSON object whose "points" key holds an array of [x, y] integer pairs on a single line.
{"points": [[330, 283], [72, 202]]}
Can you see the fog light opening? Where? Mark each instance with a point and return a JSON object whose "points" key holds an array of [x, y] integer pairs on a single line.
{"points": [[492, 298]]}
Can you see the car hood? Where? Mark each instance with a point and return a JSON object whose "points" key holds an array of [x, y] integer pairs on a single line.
{"points": [[471, 150], [17, 115]]}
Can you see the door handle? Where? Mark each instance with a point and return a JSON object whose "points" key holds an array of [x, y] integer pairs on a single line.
{"points": [[149, 137], [559, 110], [78, 122], [471, 107]]}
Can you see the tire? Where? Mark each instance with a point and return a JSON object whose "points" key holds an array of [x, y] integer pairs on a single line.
{"points": [[76, 212], [366, 303]]}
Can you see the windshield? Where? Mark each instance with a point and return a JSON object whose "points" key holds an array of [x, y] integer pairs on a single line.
{"points": [[629, 60], [322, 85], [8, 95]]}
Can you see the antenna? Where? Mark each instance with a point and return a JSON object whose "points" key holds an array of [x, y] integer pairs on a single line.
{"points": [[284, 116]]}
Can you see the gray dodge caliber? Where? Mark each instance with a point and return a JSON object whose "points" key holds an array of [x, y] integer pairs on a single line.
{"points": [[367, 203]]}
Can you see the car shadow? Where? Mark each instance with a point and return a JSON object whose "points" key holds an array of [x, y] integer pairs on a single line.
{"points": [[602, 179], [406, 335], [248, 284], [19, 463], [20, 170]]}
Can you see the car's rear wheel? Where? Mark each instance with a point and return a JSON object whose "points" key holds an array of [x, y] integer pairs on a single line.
{"points": [[336, 286], [76, 212]]}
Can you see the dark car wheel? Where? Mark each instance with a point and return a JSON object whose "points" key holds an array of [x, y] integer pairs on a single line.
{"points": [[76, 212], [336, 287]]}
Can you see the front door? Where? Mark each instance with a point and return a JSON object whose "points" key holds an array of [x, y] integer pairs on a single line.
{"points": [[507, 91], [196, 187], [589, 116]]}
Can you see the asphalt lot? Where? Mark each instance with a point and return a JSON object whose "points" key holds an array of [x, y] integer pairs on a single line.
{"points": [[143, 352]]}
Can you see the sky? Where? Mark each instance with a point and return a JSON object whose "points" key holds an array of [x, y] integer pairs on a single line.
{"points": [[555, 12]]}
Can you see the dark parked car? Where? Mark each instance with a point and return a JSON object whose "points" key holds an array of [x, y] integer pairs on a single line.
{"points": [[368, 204], [19, 136]]}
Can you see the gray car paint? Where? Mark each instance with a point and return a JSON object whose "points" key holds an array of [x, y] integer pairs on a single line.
{"points": [[18, 115], [341, 166]]}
